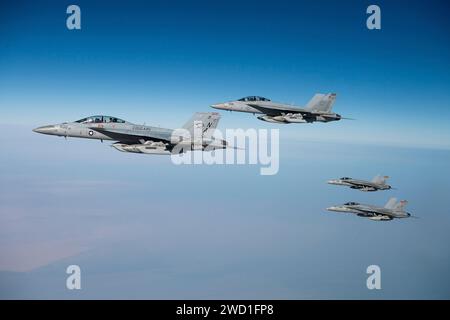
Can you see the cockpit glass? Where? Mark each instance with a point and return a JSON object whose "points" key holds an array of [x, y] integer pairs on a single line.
{"points": [[117, 120], [85, 120], [100, 119], [253, 98]]}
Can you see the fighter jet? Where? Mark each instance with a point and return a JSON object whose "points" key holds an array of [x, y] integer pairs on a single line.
{"points": [[377, 183], [136, 138], [391, 210], [317, 109]]}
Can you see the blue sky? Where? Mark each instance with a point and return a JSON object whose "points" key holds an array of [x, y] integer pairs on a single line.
{"points": [[141, 59], [140, 227]]}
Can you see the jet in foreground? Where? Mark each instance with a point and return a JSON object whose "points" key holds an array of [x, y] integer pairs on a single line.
{"points": [[377, 183], [390, 211], [135, 138], [317, 109]]}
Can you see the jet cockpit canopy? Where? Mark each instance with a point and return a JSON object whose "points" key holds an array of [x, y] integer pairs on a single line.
{"points": [[351, 204], [253, 98], [100, 119]]}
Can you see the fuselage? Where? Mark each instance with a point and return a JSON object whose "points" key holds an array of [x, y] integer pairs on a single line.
{"points": [[285, 113], [138, 138], [92, 128], [369, 211], [362, 185], [235, 106]]}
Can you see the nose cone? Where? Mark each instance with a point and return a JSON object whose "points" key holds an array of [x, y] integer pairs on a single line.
{"points": [[46, 129], [332, 181], [218, 106], [337, 209]]}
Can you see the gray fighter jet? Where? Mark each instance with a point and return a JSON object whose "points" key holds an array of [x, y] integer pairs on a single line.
{"points": [[391, 210], [377, 183], [317, 109], [136, 138]]}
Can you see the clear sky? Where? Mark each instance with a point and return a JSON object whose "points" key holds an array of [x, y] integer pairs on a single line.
{"points": [[141, 227], [139, 59]]}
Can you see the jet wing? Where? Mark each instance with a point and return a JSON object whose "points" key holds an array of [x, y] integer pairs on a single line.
{"points": [[135, 136], [278, 110], [361, 183], [374, 210]]}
